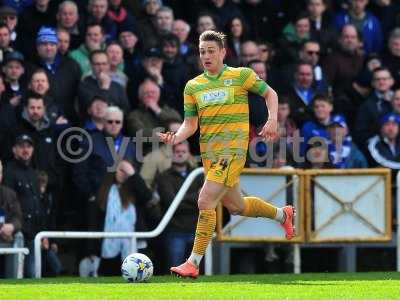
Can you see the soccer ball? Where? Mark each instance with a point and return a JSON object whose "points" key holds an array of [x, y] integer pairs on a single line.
{"points": [[137, 267]]}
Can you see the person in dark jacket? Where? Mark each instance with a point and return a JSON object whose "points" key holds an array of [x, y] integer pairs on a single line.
{"points": [[179, 232], [97, 10], [343, 66], [391, 58], [365, 22], [384, 148], [377, 104], [100, 83], [64, 73], [42, 13], [301, 93], [10, 220], [13, 68], [34, 122], [96, 115], [150, 114], [89, 173], [69, 20], [20, 176], [174, 71], [121, 16]]}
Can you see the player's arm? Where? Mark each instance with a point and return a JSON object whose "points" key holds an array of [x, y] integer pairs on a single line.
{"points": [[187, 129], [270, 128], [255, 84]]}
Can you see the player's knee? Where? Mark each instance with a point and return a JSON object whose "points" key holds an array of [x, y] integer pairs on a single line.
{"points": [[235, 209]]}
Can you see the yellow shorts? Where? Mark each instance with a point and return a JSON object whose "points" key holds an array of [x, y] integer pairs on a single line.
{"points": [[224, 169]]}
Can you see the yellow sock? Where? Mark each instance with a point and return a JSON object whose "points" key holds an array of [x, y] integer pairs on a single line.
{"points": [[205, 228], [256, 207]]}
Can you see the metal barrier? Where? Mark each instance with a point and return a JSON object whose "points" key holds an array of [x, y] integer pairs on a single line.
{"points": [[165, 220], [133, 235], [348, 245], [6, 251], [14, 266]]}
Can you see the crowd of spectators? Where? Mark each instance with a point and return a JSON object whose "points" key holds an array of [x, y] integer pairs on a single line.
{"points": [[117, 69]]}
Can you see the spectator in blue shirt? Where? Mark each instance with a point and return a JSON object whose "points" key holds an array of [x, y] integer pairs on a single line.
{"points": [[322, 107], [343, 153], [365, 22]]}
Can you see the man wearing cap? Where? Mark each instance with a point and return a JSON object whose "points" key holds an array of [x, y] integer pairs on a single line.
{"points": [[20, 176], [9, 16], [343, 153], [151, 67], [13, 69], [128, 39], [64, 73], [34, 122], [384, 148]]}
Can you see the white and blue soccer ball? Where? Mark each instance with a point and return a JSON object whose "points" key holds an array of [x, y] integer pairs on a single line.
{"points": [[137, 267]]}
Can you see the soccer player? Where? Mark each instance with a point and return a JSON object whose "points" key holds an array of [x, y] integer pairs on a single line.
{"points": [[217, 99]]}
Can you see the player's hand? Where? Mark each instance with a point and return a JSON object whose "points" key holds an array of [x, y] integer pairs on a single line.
{"points": [[270, 130], [168, 138]]}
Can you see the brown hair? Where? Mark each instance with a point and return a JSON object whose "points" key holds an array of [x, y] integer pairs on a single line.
{"points": [[213, 36], [124, 192], [321, 97]]}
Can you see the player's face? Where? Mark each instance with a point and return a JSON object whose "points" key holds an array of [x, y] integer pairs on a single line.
{"points": [[211, 56]]}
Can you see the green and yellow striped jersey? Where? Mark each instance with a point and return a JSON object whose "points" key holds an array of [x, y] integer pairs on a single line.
{"points": [[221, 104]]}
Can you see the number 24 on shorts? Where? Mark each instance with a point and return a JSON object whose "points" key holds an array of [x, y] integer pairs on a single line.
{"points": [[220, 166]]}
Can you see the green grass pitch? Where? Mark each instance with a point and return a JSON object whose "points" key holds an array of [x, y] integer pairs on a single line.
{"points": [[374, 286]]}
